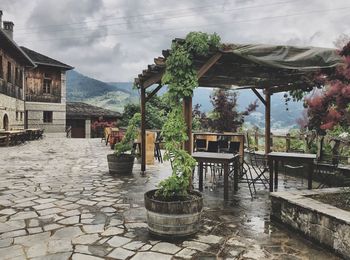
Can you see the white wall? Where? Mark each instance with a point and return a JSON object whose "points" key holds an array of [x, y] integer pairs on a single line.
{"points": [[36, 116], [9, 106]]}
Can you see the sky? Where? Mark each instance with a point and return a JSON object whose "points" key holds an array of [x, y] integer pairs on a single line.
{"points": [[114, 40]]}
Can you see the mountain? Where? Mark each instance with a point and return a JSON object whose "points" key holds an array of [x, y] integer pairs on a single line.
{"points": [[115, 95]]}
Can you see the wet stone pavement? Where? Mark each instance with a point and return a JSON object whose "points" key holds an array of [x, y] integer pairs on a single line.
{"points": [[57, 201]]}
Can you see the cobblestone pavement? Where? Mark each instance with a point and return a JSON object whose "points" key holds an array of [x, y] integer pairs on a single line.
{"points": [[57, 201]]}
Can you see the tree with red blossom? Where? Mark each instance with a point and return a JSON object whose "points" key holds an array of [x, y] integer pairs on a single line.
{"points": [[331, 107], [226, 116]]}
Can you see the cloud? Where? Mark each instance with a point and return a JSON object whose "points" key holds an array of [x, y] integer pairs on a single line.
{"points": [[114, 40], [66, 22]]}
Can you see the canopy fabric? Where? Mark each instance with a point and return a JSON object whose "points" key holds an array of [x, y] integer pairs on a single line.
{"points": [[288, 57]]}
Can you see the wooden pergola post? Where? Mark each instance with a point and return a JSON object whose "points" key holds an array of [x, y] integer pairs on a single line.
{"points": [[267, 121], [187, 110], [143, 129]]}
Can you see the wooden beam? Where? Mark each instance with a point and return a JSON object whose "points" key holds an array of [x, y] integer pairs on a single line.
{"points": [[208, 64], [153, 80], [267, 121], [150, 95], [187, 110], [259, 96], [143, 130]]}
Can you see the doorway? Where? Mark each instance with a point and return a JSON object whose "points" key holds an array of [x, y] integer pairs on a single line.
{"points": [[6, 123]]}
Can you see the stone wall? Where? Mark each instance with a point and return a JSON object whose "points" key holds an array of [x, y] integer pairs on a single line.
{"points": [[36, 116], [10, 106], [321, 222]]}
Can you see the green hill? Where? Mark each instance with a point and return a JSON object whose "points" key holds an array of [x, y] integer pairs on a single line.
{"points": [[113, 96]]}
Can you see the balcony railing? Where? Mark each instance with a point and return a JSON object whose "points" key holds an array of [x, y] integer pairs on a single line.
{"points": [[11, 90], [43, 98]]}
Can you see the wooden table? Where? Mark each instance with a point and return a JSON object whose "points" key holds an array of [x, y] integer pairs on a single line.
{"points": [[222, 158], [275, 157], [33, 133], [10, 134]]}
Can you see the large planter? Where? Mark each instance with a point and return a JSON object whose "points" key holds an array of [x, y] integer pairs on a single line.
{"points": [[175, 218], [121, 165]]}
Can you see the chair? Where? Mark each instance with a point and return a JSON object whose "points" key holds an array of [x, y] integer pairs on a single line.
{"points": [[327, 170], [234, 147], [223, 146], [157, 151], [201, 145], [258, 168], [213, 147], [294, 166]]}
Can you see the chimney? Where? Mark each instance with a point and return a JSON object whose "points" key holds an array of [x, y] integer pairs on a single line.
{"points": [[0, 19], [8, 28]]}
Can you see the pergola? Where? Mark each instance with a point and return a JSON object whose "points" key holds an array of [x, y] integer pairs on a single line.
{"points": [[272, 68]]}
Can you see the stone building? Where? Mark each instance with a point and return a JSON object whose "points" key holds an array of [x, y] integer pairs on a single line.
{"points": [[13, 65], [81, 117], [45, 94], [32, 87]]}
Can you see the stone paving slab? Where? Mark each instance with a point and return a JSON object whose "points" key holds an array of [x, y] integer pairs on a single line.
{"points": [[58, 201]]}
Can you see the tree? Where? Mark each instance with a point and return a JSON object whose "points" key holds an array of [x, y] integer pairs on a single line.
{"points": [[331, 107], [157, 109], [226, 116]]}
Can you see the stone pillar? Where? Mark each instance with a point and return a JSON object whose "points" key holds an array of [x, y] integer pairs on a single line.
{"points": [[87, 128]]}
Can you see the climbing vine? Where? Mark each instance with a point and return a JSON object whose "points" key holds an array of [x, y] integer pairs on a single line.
{"points": [[181, 78]]}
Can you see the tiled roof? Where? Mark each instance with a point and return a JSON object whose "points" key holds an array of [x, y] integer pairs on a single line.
{"points": [[41, 59], [83, 110]]}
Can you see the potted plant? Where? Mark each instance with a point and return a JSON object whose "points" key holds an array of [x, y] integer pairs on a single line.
{"points": [[122, 160], [174, 209]]}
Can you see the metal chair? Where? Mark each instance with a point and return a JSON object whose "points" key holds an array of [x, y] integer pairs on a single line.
{"points": [[234, 147], [257, 167], [294, 167], [223, 146], [157, 151], [213, 147], [326, 169], [201, 145]]}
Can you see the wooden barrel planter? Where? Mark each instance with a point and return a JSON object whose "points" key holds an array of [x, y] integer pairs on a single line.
{"points": [[121, 165], [173, 219]]}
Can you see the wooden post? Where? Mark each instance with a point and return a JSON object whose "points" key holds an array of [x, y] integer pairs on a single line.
{"points": [[187, 110], [143, 130], [287, 142], [320, 148], [267, 121], [256, 140]]}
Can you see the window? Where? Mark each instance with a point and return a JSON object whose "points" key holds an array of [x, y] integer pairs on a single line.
{"points": [[47, 116], [21, 116], [21, 78], [17, 115], [16, 76], [47, 86], [1, 69], [9, 72]]}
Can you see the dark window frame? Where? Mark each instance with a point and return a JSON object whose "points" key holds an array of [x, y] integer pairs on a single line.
{"points": [[1, 68], [47, 83], [9, 72], [47, 116]]}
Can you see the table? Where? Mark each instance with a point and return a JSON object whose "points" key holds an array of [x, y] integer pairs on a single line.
{"points": [[275, 157], [223, 158], [33, 133], [13, 136]]}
